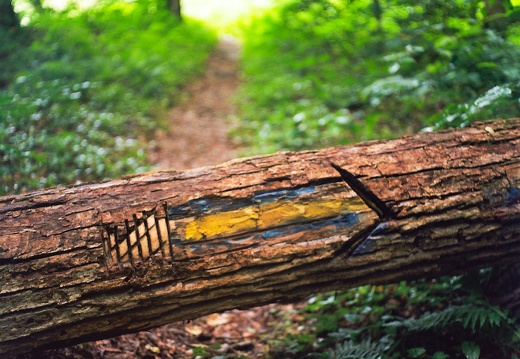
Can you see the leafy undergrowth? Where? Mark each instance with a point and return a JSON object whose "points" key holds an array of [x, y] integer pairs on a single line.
{"points": [[79, 100], [439, 319], [321, 73]]}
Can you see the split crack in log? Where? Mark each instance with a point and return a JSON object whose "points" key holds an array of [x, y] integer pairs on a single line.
{"points": [[364, 193], [371, 200]]}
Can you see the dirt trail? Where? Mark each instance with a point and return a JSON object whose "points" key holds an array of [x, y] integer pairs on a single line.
{"points": [[199, 127], [198, 136]]}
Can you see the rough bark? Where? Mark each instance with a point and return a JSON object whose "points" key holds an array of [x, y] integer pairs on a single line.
{"points": [[98, 260]]}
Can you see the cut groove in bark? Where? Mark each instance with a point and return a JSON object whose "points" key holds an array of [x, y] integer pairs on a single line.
{"points": [[365, 193]]}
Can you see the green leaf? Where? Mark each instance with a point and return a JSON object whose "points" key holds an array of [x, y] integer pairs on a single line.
{"points": [[487, 64], [200, 351], [440, 355], [484, 315], [416, 352], [470, 350], [474, 318]]}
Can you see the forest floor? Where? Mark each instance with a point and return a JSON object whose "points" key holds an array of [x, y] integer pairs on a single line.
{"points": [[198, 135], [199, 127]]}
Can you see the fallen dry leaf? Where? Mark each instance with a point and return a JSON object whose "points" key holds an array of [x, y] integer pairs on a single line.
{"points": [[193, 329], [217, 319]]}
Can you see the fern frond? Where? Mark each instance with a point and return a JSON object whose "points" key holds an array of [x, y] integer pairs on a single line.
{"points": [[366, 349], [469, 315]]}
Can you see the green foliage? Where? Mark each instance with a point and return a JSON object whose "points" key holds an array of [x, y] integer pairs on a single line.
{"points": [[474, 315], [366, 349], [13, 52], [446, 318], [498, 102], [326, 72], [200, 351], [87, 93], [470, 350]]}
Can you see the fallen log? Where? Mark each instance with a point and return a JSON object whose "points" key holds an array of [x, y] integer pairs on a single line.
{"points": [[98, 260]]}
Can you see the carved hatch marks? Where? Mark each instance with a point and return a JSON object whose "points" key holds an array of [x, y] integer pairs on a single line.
{"points": [[139, 239], [216, 224]]}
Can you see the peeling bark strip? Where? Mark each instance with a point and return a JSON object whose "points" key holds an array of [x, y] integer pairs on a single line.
{"points": [[98, 260]]}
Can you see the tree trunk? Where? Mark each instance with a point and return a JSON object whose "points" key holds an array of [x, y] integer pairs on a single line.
{"points": [[8, 18], [496, 15], [99, 260], [175, 8]]}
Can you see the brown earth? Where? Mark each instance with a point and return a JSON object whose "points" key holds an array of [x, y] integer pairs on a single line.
{"points": [[198, 136], [199, 127]]}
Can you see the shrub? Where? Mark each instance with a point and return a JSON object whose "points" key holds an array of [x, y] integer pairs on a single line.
{"points": [[91, 91], [320, 73]]}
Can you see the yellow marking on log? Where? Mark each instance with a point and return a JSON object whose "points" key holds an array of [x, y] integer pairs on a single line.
{"points": [[268, 215], [274, 214], [225, 223], [154, 236]]}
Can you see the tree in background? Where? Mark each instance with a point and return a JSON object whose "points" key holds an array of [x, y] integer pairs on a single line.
{"points": [[496, 14], [8, 18], [175, 7]]}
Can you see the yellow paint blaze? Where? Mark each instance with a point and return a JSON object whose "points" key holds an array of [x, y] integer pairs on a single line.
{"points": [[248, 219], [222, 224], [267, 216], [276, 214]]}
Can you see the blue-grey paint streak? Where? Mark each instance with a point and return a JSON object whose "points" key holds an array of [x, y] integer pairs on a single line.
{"points": [[212, 204]]}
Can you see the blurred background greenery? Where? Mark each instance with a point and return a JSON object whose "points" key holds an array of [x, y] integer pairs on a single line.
{"points": [[347, 71], [84, 85], [83, 89], [96, 77]]}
